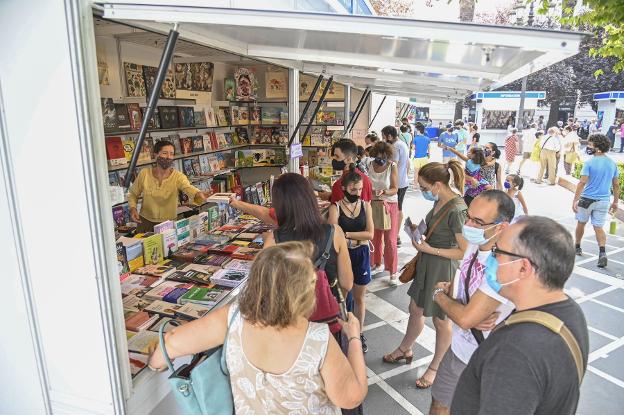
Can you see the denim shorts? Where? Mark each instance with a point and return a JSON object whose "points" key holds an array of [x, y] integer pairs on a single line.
{"points": [[360, 264], [597, 211]]}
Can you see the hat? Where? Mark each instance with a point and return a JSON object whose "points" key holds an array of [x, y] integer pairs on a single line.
{"points": [[449, 125]]}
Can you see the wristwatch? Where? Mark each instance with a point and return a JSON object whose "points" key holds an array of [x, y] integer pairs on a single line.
{"points": [[436, 292]]}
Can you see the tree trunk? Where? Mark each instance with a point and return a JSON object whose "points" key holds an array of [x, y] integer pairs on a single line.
{"points": [[466, 10], [553, 115]]}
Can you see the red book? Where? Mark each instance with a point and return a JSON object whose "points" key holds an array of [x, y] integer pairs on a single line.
{"points": [[115, 151], [213, 141]]}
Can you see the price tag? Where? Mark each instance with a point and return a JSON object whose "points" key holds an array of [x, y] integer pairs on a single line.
{"points": [[296, 151]]}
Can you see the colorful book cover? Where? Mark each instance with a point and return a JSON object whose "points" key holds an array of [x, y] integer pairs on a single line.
{"points": [[168, 117], [134, 80], [211, 118], [204, 296], [153, 249], [192, 311], [175, 295], [134, 112], [198, 143], [200, 117], [191, 276], [239, 265], [229, 89], [143, 342], [161, 290], [271, 115], [255, 115], [134, 252], [229, 277], [156, 270], [163, 308], [122, 261], [221, 118], [138, 362], [243, 115], [140, 321], [186, 144], [154, 121], [133, 284], [170, 242], [186, 117], [183, 231], [235, 115], [175, 140], [134, 304], [187, 164], [115, 151]]}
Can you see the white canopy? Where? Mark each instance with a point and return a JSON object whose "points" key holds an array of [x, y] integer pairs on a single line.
{"points": [[392, 56]]}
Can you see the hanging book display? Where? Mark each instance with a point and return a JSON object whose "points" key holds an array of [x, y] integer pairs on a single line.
{"points": [[276, 83], [229, 89], [246, 84]]}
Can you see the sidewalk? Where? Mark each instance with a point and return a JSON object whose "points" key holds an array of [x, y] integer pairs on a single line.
{"points": [[600, 292]]}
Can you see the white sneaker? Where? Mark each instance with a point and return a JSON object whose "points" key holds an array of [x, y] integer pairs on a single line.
{"points": [[394, 280], [377, 269]]}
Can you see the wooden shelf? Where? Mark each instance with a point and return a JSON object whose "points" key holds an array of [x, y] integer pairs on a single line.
{"points": [[161, 130]]}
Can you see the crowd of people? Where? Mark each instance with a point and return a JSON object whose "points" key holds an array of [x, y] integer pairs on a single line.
{"points": [[483, 266]]}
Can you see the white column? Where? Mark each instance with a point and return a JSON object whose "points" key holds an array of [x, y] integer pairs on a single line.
{"points": [[293, 114]]}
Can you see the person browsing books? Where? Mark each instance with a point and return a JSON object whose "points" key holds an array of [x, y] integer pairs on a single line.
{"points": [[355, 218], [344, 153], [159, 187], [277, 359]]}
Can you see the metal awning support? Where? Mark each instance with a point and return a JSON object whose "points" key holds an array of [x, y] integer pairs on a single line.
{"points": [[367, 95], [377, 112], [356, 112], [305, 109], [165, 60], [318, 105]]}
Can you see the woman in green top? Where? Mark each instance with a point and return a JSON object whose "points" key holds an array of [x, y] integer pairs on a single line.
{"points": [[439, 260], [159, 187]]}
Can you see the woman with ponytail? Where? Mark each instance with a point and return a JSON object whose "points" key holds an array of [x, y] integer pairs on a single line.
{"points": [[439, 259], [355, 217]]}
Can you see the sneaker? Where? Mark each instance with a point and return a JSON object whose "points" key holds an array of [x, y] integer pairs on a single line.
{"points": [[364, 345], [398, 241], [377, 269], [602, 260], [394, 280], [579, 251]]}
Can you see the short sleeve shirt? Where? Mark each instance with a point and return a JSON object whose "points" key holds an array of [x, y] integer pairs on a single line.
{"points": [[600, 172], [421, 144], [401, 157], [449, 140], [367, 190]]}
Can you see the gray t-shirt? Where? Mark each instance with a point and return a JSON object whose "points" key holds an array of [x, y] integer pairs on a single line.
{"points": [[524, 369], [401, 157]]}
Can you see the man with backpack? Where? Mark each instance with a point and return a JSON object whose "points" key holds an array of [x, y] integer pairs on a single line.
{"points": [[535, 361]]}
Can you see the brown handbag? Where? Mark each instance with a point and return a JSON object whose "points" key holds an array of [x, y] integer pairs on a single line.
{"points": [[409, 270]]}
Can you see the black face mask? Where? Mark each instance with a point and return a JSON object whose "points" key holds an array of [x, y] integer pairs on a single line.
{"points": [[351, 198], [380, 161], [338, 165], [590, 151]]}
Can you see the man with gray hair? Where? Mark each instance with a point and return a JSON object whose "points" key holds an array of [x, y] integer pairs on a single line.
{"points": [[474, 308], [535, 361]]}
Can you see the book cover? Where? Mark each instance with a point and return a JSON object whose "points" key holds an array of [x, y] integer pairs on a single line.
{"points": [[204, 166], [128, 147], [149, 77], [204, 296], [134, 304], [192, 311], [198, 143], [214, 143], [143, 342], [246, 84], [163, 308], [161, 290], [156, 270], [229, 277], [156, 326], [187, 165], [187, 255], [200, 117], [170, 242], [154, 121], [235, 115], [175, 295], [147, 150], [211, 119], [191, 276], [123, 121], [266, 135], [140, 321], [137, 284], [243, 115], [255, 115], [196, 227], [271, 115], [197, 170], [122, 261], [138, 362], [186, 117], [134, 113], [175, 140], [229, 89], [169, 87], [134, 80], [134, 252], [153, 249], [245, 253], [163, 226], [186, 144], [221, 118], [283, 117], [229, 141], [115, 151], [108, 115], [238, 265], [168, 117], [183, 231]]}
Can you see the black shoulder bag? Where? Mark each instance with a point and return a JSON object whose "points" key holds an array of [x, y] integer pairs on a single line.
{"points": [[478, 334]]}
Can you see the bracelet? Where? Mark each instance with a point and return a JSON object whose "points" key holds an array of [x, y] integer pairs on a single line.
{"points": [[354, 337], [436, 292], [438, 252]]}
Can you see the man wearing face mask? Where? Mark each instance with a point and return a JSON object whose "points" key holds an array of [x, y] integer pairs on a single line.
{"points": [[475, 308], [526, 367], [593, 193], [344, 154], [159, 187], [401, 158]]}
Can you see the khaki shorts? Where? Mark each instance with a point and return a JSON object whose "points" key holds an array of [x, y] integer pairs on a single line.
{"points": [[420, 162], [446, 379]]}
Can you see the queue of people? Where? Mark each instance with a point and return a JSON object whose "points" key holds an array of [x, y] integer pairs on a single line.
{"points": [[482, 263]]}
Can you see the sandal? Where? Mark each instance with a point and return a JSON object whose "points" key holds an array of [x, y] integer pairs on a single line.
{"points": [[389, 358], [422, 383]]}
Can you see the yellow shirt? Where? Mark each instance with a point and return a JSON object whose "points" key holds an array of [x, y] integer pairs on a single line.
{"points": [[160, 201]]}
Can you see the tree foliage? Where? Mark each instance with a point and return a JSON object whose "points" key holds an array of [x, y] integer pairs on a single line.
{"points": [[393, 7], [607, 16]]}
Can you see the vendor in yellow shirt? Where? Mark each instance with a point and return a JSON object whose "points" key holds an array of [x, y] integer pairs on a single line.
{"points": [[159, 187]]}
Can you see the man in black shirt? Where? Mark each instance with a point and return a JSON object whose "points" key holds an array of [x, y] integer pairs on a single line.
{"points": [[526, 368]]}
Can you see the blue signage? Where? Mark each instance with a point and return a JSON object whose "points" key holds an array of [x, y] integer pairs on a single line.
{"points": [[507, 95], [609, 95]]}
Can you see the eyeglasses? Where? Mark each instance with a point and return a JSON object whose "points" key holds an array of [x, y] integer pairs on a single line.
{"points": [[497, 251], [478, 221]]}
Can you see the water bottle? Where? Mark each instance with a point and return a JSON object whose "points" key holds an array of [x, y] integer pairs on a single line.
{"points": [[613, 225]]}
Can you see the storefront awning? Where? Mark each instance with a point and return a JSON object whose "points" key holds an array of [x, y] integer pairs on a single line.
{"points": [[393, 56]]}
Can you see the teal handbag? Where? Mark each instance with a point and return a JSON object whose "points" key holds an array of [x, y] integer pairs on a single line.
{"points": [[202, 387]]}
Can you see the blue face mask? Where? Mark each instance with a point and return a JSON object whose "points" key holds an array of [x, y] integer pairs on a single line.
{"points": [[507, 185], [475, 235], [428, 195], [491, 268], [380, 161]]}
